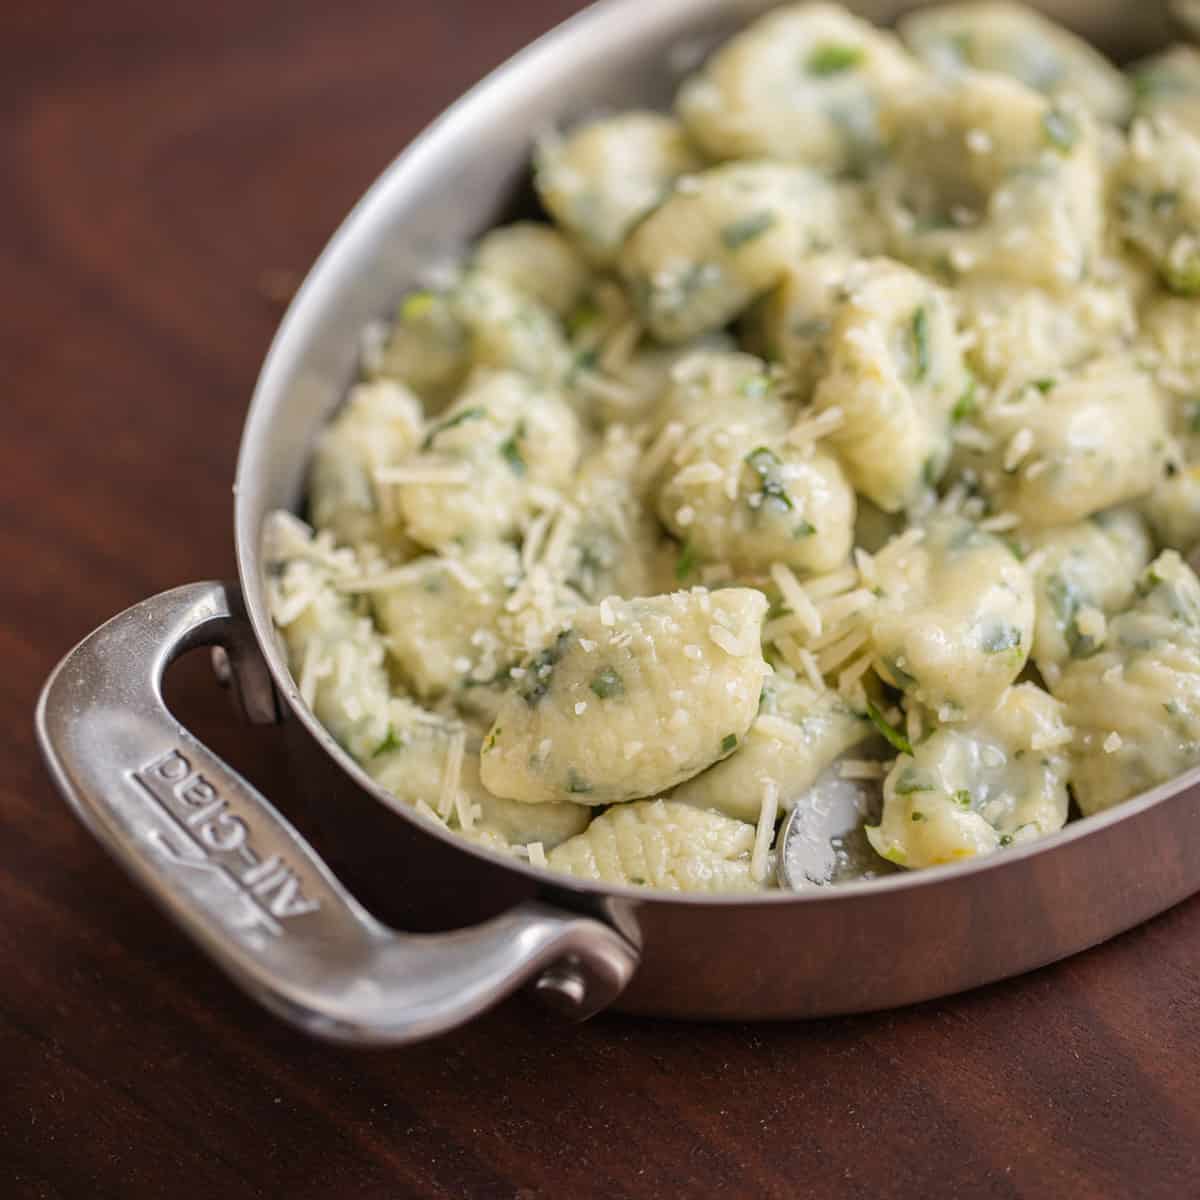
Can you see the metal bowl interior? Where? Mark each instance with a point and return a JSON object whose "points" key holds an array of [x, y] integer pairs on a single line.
{"points": [[624, 53]]}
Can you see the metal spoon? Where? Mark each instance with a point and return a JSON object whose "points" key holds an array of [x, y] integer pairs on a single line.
{"points": [[823, 840]]}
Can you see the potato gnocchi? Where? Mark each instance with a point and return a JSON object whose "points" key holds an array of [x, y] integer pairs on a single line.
{"points": [[841, 423]]}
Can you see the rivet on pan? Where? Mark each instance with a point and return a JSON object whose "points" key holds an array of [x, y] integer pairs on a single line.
{"points": [[221, 666], [561, 988]]}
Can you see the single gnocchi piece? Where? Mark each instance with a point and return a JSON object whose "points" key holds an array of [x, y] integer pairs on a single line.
{"points": [[893, 370], [1062, 449], [1168, 85], [470, 480], [1135, 705], [635, 697], [1021, 334], [1157, 192], [736, 490], [1173, 510], [536, 260], [1013, 39], [430, 612], [482, 321], [972, 789], [953, 626], [657, 843], [631, 391], [798, 732], [802, 84], [724, 239], [1083, 574], [616, 546], [378, 427], [790, 324], [601, 179], [426, 348], [336, 654], [988, 178]]}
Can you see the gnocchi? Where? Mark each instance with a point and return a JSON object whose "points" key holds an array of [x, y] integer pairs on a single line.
{"points": [[839, 433]]}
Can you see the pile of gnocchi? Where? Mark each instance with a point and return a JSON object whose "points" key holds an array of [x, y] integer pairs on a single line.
{"points": [[853, 404]]}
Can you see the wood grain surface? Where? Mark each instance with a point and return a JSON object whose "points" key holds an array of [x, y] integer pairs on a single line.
{"points": [[170, 170]]}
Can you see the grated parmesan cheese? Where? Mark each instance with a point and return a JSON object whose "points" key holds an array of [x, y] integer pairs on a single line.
{"points": [[764, 833]]}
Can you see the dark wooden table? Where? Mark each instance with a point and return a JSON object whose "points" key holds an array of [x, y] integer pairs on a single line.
{"points": [[170, 169]]}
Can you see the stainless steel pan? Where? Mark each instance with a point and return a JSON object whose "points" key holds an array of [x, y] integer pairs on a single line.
{"points": [[238, 878]]}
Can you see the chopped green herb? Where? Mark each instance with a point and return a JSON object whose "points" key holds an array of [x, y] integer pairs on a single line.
{"points": [[416, 306], [581, 316], [964, 406], [686, 563], [920, 343], [729, 743], [832, 58], [911, 780], [917, 815], [737, 233], [1045, 385], [460, 418], [389, 743], [606, 683], [1061, 129], [803, 529], [1182, 271], [766, 464], [576, 784], [998, 638], [892, 854], [962, 798], [895, 738], [540, 669], [1006, 839], [510, 450], [1015, 548], [637, 880], [1164, 203], [755, 386]]}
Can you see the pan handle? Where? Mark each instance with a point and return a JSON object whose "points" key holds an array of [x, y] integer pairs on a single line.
{"points": [[242, 882]]}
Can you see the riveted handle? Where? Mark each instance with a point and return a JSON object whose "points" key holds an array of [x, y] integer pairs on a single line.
{"points": [[235, 875]]}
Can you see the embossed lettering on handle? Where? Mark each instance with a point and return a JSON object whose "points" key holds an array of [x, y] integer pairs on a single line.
{"points": [[243, 883]]}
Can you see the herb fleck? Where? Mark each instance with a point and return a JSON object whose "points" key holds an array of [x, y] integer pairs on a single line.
{"points": [[729, 743], [540, 669], [510, 450], [895, 738], [920, 343], [389, 743], [962, 798], [606, 684], [765, 463], [686, 563], [1060, 129], [460, 418], [917, 815], [913, 780], [416, 306], [832, 58], [998, 638], [964, 406], [737, 233], [576, 784]]}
